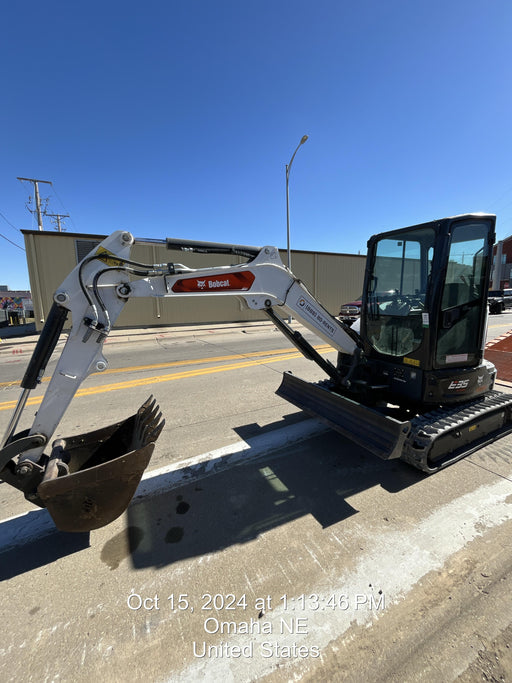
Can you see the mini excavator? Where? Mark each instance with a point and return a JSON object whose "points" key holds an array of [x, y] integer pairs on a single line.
{"points": [[410, 380]]}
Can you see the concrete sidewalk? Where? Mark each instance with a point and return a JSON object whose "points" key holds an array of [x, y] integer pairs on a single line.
{"points": [[302, 565]]}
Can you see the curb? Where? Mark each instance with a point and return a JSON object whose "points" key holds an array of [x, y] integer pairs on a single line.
{"points": [[221, 459]]}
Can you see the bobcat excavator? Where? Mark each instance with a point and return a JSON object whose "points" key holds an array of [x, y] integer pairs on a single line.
{"points": [[411, 382]]}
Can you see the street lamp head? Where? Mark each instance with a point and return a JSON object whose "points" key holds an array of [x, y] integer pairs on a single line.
{"points": [[304, 138]]}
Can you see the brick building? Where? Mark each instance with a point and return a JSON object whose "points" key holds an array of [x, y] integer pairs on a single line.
{"points": [[502, 257]]}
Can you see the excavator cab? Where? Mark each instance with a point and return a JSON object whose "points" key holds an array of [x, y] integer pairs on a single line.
{"points": [[424, 310], [418, 387]]}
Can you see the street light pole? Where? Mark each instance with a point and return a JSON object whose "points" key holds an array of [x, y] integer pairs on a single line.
{"points": [[288, 168]]}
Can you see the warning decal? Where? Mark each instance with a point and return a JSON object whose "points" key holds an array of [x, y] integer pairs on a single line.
{"points": [[108, 257]]}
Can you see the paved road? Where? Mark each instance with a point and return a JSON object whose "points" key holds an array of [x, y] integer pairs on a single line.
{"points": [[317, 561], [214, 387]]}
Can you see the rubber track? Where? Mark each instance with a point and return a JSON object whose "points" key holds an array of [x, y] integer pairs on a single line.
{"points": [[427, 428]]}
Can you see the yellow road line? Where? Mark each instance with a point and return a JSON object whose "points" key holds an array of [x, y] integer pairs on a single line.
{"points": [[130, 384], [213, 359], [180, 363]]}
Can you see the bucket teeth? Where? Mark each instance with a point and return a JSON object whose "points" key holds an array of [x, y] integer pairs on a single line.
{"points": [[148, 423], [105, 468], [156, 431]]}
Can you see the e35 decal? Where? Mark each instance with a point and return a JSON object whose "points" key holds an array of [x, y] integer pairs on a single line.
{"points": [[458, 384]]}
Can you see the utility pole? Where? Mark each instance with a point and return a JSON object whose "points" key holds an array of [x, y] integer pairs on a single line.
{"points": [[38, 199], [58, 216]]}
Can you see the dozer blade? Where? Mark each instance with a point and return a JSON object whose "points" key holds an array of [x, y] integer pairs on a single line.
{"points": [[105, 467], [381, 435]]}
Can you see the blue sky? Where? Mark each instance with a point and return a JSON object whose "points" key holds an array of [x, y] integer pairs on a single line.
{"points": [[177, 118]]}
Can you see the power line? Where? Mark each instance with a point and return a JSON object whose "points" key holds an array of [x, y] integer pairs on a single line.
{"points": [[58, 221], [41, 211], [9, 222], [504, 194], [11, 242], [62, 203], [37, 210]]}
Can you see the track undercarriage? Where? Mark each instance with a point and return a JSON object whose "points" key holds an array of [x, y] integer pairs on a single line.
{"points": [[428, 440]]}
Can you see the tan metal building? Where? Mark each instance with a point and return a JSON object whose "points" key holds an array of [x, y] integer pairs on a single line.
{"points": [[333, 279]]}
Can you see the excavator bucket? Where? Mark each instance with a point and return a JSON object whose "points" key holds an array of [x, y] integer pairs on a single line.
{"points": [[90, 479]]}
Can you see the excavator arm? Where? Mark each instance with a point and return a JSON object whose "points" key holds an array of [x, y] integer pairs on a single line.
{"points": [[86, 481]]}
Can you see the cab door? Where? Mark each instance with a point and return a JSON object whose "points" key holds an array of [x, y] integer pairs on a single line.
{"points": [[462, 314]]}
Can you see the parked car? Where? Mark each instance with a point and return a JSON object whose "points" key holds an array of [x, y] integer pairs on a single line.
{"points": [[350, 312], [499, 300]]}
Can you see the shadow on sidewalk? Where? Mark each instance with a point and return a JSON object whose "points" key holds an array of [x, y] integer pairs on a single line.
{"points": [[15, 331], [180, 516], [43, 545], [314, 477]]}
